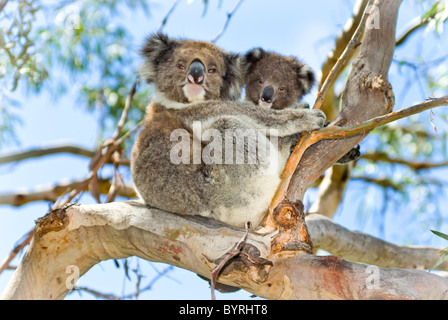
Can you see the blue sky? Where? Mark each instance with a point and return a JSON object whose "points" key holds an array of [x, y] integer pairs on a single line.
{"points": [[305, 29]]}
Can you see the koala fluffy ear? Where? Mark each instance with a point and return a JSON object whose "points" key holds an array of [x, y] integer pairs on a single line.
{"points": [[233, 81], [305, 78], [154, 51], [250, 59]]}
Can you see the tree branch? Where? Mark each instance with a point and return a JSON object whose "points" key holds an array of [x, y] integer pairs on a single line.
{"points": [[52, 193], [414, 165], [381, 182], [126, 109], [360, 247], [44, 151], [367, 95], [79, 237], [332, 189], [343, 59], [334, 132], [413, 26], [343, 40], [3, 4], [4, 265]]}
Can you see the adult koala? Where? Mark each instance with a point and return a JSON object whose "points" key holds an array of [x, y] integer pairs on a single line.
{"points": [[200, 151]]}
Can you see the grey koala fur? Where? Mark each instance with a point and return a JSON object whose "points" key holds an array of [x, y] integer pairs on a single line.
{"points": [[275, 81], [279, 82], [197, 81]]}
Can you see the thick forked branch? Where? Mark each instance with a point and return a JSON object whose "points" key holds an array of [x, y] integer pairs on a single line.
{"points": [[331, 190], [334, 132], [73, 239], [367, 95]]}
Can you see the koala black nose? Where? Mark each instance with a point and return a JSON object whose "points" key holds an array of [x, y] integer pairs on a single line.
{"points": [[267, 94], [196, 72]]}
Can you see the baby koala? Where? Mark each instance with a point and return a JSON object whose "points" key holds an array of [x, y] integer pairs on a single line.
{"points": [[274, 81], [279, 82]]}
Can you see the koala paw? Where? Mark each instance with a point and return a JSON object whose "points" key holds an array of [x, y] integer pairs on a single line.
{"points": [[352, 155], [315, 119], [300, 120]]}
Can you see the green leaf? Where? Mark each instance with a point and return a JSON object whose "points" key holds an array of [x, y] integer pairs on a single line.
{"points": [[440, 234]]}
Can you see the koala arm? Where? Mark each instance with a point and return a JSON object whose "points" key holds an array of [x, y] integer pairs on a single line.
{"points": [[280, 122], [299, 105]]}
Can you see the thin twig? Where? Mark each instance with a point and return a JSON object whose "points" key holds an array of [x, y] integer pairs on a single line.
{"points": [[335, 132], [414, 165], [5, 263], [415, 25], [111, 296], [111, 145], [43, 151], [165, 19], [352, 45], [125, 112], [129, 133], [226, 24], [233, 252]]}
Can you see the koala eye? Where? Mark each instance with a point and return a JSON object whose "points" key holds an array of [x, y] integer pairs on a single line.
{"points": [[181, 66], [281, 89], [212, 70], [260, 81]]}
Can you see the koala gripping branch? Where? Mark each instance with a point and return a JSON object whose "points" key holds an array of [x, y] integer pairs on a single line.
{"points": [[335, 132], [367, 102]]}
